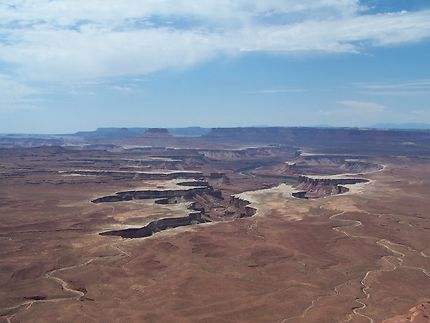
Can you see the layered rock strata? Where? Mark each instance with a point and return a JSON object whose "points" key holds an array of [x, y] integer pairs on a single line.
{"points": [[317, 187], [206, 205]]}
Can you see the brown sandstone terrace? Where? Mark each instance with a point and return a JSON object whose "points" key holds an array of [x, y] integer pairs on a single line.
{"points": [[232, 225]]}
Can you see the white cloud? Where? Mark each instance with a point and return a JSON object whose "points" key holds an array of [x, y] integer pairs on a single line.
{"points": [[63, 40], [410, 88], [69, 11], [50, 54], [362, 107], [14, 94], [411, 85], [274, 91]]}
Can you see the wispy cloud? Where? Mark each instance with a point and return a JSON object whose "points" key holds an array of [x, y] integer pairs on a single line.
{"points": [[69, 12], [353, 113], [14, 94], [414, 85], [410, 88], [67, 40], [362, 106], [274, 91]]}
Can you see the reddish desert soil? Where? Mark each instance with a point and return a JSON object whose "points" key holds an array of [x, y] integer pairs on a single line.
{"points": [[362, 256]]}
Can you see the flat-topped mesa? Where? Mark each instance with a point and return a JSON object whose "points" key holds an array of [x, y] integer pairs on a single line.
{"points": [[330, 181], [157, 226], [209, 194], [331, 164], [249, 153], [208, 206], [317, 187], [371, 142], [161, 175], [153, 194], [355, 166], [194, 183], [157, 133]]}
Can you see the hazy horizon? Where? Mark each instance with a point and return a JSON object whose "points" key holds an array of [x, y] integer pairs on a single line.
{"points": [[412, 127]]}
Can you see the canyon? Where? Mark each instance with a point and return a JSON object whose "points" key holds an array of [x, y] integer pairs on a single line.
{"points": [[224, 225]]}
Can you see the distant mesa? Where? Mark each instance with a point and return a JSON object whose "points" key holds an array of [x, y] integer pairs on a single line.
{"points": [[157, 133], [137, 132], [111, 133], [402, 126]]}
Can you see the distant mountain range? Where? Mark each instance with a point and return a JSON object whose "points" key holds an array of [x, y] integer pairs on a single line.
{"points": [[370, 141], [114, 132], [133, 132], [406, 126]]}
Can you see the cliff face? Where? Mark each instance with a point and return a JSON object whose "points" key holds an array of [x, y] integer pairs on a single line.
{"points": [[152, 194], [240, 154], [329, 181], [319, 164], [360, 167], [241, 207], [136, 174], [329, 165], [207, 205], [218, 179], [331, 140], [321, 187], [157, 226], [343, 164], [318, 191]]}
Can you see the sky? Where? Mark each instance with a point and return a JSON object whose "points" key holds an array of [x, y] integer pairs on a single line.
{"points": [[71, 65]]}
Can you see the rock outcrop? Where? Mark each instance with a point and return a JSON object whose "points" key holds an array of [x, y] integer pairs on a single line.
{"points": [[240, 207], [121, 174], [329, 181], [328, 164], [310, 187], [373, 142], [157, 226], [157, 133], [219, 179], [206, 205], [417, 314], [150, 194]]}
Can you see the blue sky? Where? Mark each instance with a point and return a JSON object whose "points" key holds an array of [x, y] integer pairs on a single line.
{"points": [[68, 65]]}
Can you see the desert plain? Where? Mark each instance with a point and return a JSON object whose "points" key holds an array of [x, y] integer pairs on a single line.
{"points": [[266, 225]]}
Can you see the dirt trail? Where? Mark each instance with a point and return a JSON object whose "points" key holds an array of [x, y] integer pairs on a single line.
{"points": [[394, 261], [397, 255], [315, 301], [65, 286]]}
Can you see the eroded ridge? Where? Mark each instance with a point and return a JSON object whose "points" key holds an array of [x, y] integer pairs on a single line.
{"points": [[316, 187], [209, 205], [157, 226], [206, 205]]}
